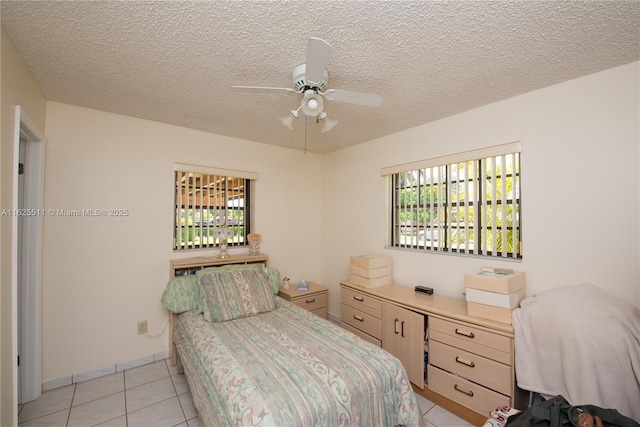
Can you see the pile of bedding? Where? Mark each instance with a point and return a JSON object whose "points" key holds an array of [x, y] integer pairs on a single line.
{"points": [[579, 342]]}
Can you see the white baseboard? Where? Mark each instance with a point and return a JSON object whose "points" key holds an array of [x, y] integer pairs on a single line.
{"points": [[57, 383], [106, 370], [161, 355], [97, 373], [335, 319], [130, 364]]}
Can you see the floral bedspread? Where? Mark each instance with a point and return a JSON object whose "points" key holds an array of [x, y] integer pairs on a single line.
{"points": [[288, 367]]}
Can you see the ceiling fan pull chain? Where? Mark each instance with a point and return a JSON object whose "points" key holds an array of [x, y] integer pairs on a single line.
{"points": [[305, 134]]}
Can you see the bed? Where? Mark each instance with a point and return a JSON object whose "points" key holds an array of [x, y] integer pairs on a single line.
{"points": [[252, 358]]}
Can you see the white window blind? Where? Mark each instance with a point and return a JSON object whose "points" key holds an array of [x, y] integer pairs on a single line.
{"points": [[467, 203], [208, 198]]}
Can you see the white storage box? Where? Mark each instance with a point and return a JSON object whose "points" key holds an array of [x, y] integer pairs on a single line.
{"points": [[498, 314], [371, 261], [370, 283], [370, 270], [496, 299], [370, 273], [502, 283]]}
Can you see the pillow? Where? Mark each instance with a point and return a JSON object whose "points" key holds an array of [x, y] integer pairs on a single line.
{"points": [[182, 294], [272, 273], [229, 295], [274, 279]]}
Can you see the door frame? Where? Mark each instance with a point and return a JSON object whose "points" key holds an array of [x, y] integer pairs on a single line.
{"points": [[30, 247]]}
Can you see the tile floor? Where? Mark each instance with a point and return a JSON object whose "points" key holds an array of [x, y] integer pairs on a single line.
{"points": [[437, 416], [147, 396]]}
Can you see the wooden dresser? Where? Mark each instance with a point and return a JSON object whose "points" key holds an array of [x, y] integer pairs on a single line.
{"points": [[470, 359]]}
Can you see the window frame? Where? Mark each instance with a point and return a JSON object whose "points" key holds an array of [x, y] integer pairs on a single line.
{"points": [[450, 205], [218, 192]]}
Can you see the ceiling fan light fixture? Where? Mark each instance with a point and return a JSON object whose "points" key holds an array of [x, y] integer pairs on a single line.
{"points": [[288, 121], [328, 125], [312, 103]]}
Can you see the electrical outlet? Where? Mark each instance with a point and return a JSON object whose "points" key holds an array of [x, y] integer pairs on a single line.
{"points": [[142, 327]]}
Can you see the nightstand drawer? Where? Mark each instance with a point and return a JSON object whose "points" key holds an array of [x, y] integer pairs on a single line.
{"points": [[478, 369], [361, 302], [473, 396], [362, 321], [312, 302]]}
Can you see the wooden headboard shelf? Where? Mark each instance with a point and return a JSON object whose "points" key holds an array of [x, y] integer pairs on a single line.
{"points": [[185, 266], [182, 266]]}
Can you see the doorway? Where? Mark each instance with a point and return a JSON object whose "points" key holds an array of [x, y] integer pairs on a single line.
{"points": [[28, 202]]}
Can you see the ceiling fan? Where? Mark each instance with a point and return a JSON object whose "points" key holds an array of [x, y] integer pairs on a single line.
{"points": [[310, 80]]}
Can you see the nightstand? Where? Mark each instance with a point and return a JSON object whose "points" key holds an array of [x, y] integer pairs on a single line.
{"points": [[316, 299]]}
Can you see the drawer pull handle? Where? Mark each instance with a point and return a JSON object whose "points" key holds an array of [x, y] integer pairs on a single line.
{"points": [[465, 362], [310, 300], [395, 326], [358, 318], [402, 328], [465, 334], [467, 392], [357, 298]]}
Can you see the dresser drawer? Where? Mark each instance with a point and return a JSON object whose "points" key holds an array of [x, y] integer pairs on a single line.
{"points": [[362, 321], [362, 302], [312, 302], [471, 395], [361, 334], [466, 337], [479, 369]]}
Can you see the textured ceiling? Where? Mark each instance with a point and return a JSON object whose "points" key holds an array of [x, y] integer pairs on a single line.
{"points": [[175, 62]]}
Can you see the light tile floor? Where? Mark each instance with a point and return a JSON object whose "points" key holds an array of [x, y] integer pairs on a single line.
{"points": [[150, 395], [437, 416], [147, 396]]}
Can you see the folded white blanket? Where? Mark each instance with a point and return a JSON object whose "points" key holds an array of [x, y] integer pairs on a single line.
{"points": [[579, 342]]}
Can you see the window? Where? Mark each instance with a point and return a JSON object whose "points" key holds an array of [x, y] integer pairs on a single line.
{"points": [[468, 203], [208, 198]]}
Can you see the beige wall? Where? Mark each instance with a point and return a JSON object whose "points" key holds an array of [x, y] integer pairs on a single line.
{"points": [[584, 131], [103, 275], [18, 88]]}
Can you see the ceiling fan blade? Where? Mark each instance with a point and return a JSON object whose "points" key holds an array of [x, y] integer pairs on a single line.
{"points": [[262, 89], [362, 98], [317, 58]]}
